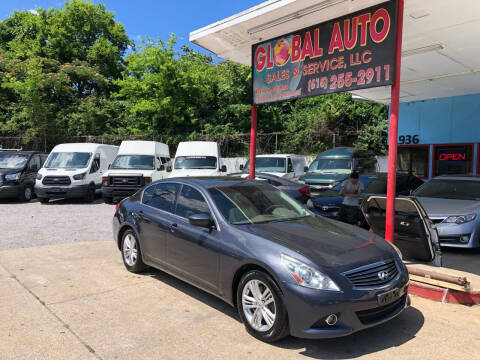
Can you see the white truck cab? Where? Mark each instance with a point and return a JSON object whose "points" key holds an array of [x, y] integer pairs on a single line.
{"points": [[74, 171], [198, 158], [288, 166], [137, 164]]}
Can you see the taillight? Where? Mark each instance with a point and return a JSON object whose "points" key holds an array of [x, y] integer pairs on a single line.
{"points": [[117, 205], [305, 190]]}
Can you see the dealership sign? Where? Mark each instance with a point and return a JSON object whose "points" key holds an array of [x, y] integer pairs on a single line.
{"points": [[349, 53]]}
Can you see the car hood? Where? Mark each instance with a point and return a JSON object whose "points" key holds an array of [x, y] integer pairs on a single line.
{"points": [[194, 172], [327, 243], [4, 172], [323, 177], [442, 207]]}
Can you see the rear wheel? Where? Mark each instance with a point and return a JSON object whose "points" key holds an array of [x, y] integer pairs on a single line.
{"points": [[26, 194], [90, 197], [261, 308], [131, 253]]}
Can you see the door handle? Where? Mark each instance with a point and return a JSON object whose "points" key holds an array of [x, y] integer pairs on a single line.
{"points": [[173, 227], [404, 223]]}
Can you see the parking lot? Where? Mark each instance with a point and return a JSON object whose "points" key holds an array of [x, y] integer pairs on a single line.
{"points": [[66, 294]]}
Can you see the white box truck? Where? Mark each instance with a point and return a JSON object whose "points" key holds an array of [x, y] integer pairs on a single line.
{"points": [[137, 164], [74, 171], [198, 158], [288, 166]]}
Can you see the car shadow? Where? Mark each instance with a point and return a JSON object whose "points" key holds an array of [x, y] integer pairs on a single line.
{"points": [[193, 292], [461, 259], [390, 334]]}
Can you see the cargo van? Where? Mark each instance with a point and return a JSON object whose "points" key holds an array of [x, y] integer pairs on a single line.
{"points": [[137, 164], [197, 158], [74, 171], [287, 166]]}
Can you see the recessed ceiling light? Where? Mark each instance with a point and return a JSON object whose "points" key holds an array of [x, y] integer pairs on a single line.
{"points": [[418, 14]]}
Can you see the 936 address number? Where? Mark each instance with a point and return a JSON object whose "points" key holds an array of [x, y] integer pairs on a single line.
{"points": [[408, 139]]}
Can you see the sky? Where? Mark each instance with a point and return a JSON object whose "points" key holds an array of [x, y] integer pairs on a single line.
{"points": [[153, 18]]}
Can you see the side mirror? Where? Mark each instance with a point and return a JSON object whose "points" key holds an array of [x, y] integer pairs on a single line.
{"points": [[97, 156], [169, 168], [241, 166], [201, 220], [223, 168], [305, 169], [161, 168]]}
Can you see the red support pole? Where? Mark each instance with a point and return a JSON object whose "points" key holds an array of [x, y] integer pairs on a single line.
{"points": [[393, 130], [253, 141]]}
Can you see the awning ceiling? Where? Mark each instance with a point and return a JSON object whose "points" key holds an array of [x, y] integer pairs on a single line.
{"points": [[441, 47]]}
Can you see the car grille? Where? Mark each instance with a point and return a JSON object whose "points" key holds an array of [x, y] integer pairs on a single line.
{"points": [[379, 313], [56, 180], [370, 276], [130, 181]]}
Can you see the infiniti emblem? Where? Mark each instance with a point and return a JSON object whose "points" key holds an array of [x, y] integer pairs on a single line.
{"points": [[383, 275]]}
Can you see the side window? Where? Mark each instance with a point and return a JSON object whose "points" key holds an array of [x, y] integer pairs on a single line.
{"points": [[43, 158], [34, 163], [190, 202], [95, 164], [163, 197], [290, 165], [147, 194]]}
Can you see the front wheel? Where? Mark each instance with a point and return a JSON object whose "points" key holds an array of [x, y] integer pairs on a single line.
{"points": [[261, 308], [90, 197], [131, 253], [26, 194]]}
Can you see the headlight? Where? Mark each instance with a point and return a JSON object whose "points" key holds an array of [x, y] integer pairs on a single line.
{"points": [[79, 176], [398, 251], [307, 276], [13, 177], [39, 176], [332, 185], [461, 219]]}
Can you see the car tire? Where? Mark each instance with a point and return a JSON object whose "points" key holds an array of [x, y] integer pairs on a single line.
{"points": [[258, 287], [27, 194], [43, 200], [131, 253], [90, 197]]}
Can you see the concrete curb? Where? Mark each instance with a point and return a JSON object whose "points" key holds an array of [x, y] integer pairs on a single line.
{"points": [[444, 295]]}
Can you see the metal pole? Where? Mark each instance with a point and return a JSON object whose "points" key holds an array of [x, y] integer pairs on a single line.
{"points": [[253, 141], [393, 130]]}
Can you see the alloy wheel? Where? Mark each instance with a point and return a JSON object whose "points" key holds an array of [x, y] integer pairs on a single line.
{"points": [[130, 250], [258, 305]]}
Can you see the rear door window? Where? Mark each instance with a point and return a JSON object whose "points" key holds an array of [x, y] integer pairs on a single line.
{"points": [[191, 202], [163, 197]]}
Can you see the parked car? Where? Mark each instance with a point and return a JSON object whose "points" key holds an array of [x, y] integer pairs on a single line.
{"points": [[197, 158], [287, 271], [328, 204], [18, 170], [137, 163], [453, 204], [287, 166], [74, 171], [333, 166], [297, 191]]}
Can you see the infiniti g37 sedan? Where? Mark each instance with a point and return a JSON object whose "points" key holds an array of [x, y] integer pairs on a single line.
{"points": [[287, 270]]}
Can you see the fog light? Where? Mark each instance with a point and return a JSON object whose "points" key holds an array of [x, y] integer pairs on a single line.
{"points": [[331, 319], [465, 239]]}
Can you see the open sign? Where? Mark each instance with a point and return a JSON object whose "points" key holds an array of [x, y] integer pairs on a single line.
{"points": [[456, 156]]}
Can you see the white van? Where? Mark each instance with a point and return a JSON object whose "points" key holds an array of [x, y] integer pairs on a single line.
{"points": [[287, 166], [137, 164], [197, 158], [74, 171]]}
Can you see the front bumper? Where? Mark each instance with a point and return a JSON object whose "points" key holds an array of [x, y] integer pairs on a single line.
{"points": [[8, 191], [356, 309], [62, 192], [454, 235], [117, 192]]}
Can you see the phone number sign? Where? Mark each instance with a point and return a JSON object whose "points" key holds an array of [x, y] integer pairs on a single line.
{"points": [[353, 52]]}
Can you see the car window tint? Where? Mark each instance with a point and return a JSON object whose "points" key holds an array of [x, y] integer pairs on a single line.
{"points": [[231, 213], [35, 161], [164, 196], [147, 194], [191, 202]]}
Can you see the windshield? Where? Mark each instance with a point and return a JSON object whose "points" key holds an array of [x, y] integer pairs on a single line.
{"points": [[138, 162], [254, 204], [450, 189], [13, 161], [195, 162], [68, 160], [331, 166], [267, 164]]}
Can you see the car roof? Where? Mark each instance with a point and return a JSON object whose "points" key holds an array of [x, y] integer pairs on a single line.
{"points": [[26, 152], [214, 181]]}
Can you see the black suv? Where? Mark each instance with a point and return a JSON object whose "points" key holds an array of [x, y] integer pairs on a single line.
{"points": [[18, 170]]}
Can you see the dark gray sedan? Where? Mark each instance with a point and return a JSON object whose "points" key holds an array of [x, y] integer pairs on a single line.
{"points": [[248, 243]]}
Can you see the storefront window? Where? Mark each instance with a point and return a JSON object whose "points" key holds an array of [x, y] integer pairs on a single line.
{"points": [[453, 160], [413, 160]]}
